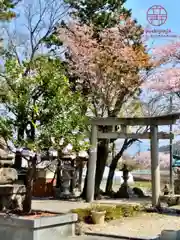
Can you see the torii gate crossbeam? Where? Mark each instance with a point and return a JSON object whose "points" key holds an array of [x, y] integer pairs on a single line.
{"points": [[153, 122]]}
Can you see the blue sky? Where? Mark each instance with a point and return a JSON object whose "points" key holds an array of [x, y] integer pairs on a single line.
{"points": [[140, 8]]}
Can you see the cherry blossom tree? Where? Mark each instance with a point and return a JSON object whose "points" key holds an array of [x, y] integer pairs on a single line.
{"points": [[144, 159], [109, 68], [166, 75]]}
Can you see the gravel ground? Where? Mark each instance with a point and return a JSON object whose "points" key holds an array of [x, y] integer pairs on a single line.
{"points": [[145, 225]]}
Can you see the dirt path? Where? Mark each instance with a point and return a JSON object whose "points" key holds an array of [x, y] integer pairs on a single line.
{"points": [[145, 225]]}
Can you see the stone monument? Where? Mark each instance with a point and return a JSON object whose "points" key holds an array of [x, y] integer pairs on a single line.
{"points": [[124, 190], [11, 194]]}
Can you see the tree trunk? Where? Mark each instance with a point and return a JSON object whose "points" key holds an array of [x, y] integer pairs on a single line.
{"points": [[73, 177], [80, 169], [29, 186], [58, 175], [18, 156], [102, 155], [21, 130], [114, 163], [18, 160]]}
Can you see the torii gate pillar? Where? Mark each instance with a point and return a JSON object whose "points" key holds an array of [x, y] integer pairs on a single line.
{"points": [[155, 166], [91, 169]]}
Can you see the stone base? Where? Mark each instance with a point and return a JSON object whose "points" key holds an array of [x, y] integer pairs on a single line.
{"points": [[12, 196], [63, 195], [177, 186], [123, 192], [42, 228], [169, 235], [171, 200]]}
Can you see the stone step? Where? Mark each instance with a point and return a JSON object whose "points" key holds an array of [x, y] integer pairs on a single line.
{"points": [[85, 237], [170, 235]]}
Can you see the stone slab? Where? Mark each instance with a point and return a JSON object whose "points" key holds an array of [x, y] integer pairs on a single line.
{"points": [[9, 189], [114, 238], [169, 235], [42, 228], [101, 236]]}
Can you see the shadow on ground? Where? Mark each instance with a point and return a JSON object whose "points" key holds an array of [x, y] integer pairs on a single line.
{"points": [[110, 236], [164, 210]]}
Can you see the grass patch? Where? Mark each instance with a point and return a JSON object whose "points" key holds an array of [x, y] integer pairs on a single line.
{"points": [[112, 212]]}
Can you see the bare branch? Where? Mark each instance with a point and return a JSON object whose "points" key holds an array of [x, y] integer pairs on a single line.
{"points": [[41, 18]]}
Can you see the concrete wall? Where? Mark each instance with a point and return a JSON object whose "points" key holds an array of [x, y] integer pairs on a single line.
{"points": [[43, 228]]}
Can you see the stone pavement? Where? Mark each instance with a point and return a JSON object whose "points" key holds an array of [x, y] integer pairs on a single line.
{"points": [[57, 205], [66, 206]]}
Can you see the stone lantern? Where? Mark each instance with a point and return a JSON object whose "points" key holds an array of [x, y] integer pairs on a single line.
{"points": [[125, 171], [123, 190], [6, 158]]}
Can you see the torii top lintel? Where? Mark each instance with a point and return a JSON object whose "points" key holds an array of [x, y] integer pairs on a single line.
{"points": [[141, 121]]}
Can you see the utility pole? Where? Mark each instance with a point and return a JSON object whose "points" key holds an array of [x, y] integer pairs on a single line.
{"points": [[171, 149]]}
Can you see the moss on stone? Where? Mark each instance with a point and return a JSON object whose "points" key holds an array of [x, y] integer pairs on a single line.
{"points": [[113, 212]]}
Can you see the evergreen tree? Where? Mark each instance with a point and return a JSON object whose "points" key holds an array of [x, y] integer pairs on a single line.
{"points": [[101, 13], [6, 7]]}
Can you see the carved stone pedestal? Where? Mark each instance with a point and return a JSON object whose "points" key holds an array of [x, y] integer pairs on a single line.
{"points": [[123, 191], [12, 196]]}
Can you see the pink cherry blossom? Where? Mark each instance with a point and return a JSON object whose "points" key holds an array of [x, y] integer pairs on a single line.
{"points": [[144, 159], [166, 74], [108, 68]]}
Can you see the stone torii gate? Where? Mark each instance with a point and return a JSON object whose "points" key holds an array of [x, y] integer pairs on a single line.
{"points": [[153, 135]]}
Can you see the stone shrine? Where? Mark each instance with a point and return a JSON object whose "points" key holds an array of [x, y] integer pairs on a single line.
{"points": [[12, 194]]}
